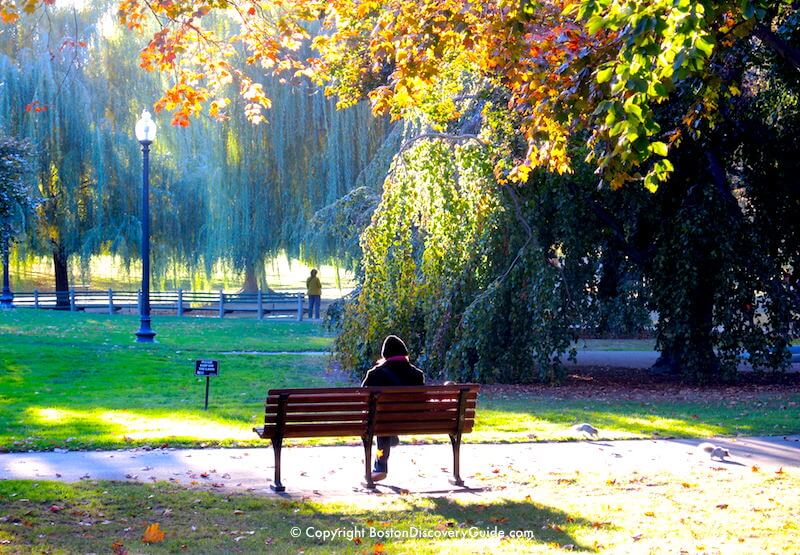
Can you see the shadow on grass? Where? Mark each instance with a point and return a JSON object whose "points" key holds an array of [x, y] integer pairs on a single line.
{"points": [[215, 522]]}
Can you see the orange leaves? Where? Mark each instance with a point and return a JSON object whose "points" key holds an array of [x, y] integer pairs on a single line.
{"points": [[8, 16], [153, 534], [35, 107]]}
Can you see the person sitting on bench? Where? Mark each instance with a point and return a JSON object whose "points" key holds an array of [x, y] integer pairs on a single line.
{"points": [[393, 369]]}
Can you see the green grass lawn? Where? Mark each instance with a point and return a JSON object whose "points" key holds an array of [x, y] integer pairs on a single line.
{"points": [[74, 380], [698, 510]]}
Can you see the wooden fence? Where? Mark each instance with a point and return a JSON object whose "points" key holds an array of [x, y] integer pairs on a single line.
{"points": [[220, 303]]}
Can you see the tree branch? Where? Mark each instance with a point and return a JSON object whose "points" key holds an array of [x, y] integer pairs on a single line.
{"points": [[786, 51]]}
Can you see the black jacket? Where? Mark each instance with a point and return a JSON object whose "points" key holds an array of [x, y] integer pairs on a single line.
{"points": [[392, 373]]}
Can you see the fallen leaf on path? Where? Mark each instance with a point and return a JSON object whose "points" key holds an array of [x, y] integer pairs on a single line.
{"points": [[722, 506], [649, 513], [153, 534]]}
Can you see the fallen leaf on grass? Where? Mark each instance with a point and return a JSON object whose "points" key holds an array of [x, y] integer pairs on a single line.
{"points": [[118, 548], [755, 468], [378, 548], [498, 520], [357, 541], [554, 527], [153, 534], [779, 471], [599, 524]]}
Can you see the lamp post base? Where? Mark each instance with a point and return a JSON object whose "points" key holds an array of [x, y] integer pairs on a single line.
{"points": [[145, 334]]}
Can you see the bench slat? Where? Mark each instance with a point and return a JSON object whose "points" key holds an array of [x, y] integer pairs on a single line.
{"points": [[327, 398], [451, 416], [294, 417], [415, 407], [421, 397], [339, 430], [427, 389], [319, 407], [404, 428]]}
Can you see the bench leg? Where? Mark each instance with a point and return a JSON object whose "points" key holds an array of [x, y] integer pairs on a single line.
{"points": [[276, 448], [455, 441], [367, 441]]}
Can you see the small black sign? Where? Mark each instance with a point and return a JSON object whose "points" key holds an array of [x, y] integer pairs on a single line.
{"points": [[206, 368]]}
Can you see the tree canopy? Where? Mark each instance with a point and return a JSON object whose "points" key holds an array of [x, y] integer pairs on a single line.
{"points": [[563, 165]]}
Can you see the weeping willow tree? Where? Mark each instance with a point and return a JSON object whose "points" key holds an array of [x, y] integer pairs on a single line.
{"points": [[226, 192], [268, 180], [58, 118]]}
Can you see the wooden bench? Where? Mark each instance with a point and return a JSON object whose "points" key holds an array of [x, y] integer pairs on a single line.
{"points": [[367, 412]]}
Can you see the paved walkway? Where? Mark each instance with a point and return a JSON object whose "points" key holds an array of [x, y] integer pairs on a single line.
{"points": [[422, 469], [636, 359]]}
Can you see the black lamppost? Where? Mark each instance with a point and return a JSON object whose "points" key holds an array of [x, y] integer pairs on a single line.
{"points": [[145, 134], [7, 297]]}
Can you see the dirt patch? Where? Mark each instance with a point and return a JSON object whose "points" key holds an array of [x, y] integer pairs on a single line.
{"points": [[639, 385]]}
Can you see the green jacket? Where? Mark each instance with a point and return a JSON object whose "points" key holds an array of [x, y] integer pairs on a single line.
{"points": [[314, 286]]}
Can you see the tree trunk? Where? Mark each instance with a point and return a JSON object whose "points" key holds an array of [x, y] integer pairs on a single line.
{"points": [[60, 259], [250, 279]]}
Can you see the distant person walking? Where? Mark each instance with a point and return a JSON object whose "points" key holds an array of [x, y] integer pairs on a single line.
{"points": [[392, 369], [314, 292]]}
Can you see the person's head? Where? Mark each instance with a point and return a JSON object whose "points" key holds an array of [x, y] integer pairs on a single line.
{"points": [[393, 346], [314, 273]]}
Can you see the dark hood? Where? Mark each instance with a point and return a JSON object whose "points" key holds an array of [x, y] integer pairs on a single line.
{"points": [[393, 346]]}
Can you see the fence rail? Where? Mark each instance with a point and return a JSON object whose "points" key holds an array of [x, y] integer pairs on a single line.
{"points": [[220, 303]]}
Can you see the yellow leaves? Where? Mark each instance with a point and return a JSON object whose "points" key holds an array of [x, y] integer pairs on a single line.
{"points": [[379, 453], [153, 534], [651, 514], [216, 107], [381, 99]]}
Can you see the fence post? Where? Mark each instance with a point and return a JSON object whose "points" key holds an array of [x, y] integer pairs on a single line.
{"points": [[35, 298], [221, 304], [260, 305], [180, 302], [299, 307], [72, 306], [110, 301]]}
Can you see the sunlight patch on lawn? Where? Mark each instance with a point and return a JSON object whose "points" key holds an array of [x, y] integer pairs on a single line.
{"points": [[611, 425], [121, 424]]}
